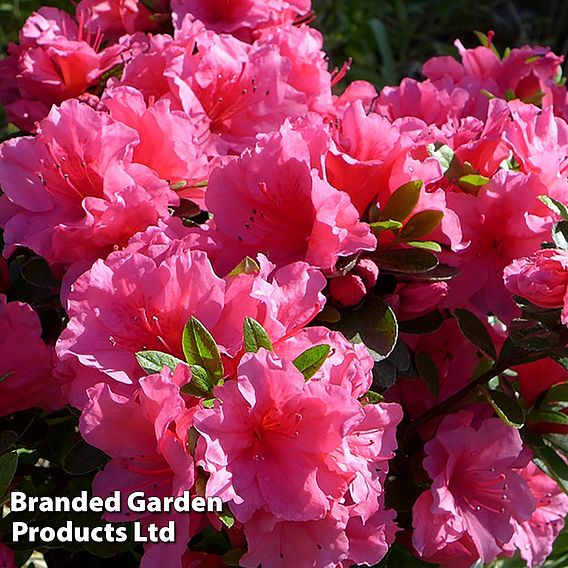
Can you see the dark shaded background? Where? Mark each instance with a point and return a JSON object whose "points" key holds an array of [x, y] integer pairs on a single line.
{"points": [[390, 39]]}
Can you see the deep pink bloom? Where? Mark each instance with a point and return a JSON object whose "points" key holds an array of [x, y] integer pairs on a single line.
{"points": [[538, 376], [504, 222], [72, 192], [541, 278], [476, 490], [116, 17], [26, 362], [130, 303], [347, 291], [155, 298], [169, 141], [146, 436], [278, 544], [239, 17], [270, 200], [6, 557], [266, 419], [534, 538], [56, 59], [348, 365]]}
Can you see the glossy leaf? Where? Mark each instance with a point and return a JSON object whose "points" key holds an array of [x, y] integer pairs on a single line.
{"points": [[154, 361], [402, 202], [255, 336], [200, 348], [475, 332], [311, 360]]}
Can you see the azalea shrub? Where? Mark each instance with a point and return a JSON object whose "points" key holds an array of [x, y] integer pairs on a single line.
{"points": [[342, 311]]}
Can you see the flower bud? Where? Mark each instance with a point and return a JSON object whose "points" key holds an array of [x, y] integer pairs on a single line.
{"points": [[368, 271], [347, 291]]}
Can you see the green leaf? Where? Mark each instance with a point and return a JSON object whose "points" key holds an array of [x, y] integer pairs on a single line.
{"points": [[83, 458], [381, 38], [425, 245], [233, 557], [226, 517], [547, 460], [255, 336], [451, 165], [154, 361], [428, 371], [200, 385], [554, 462], [380, 226], [8, 467], [7, 440], [557, 393], [311, 360], [507, 408], [476, 333], [408, 261], [424, 324], [422, 224], [560, 235], [441, 273], [549, 416], [371, 397], [247, 266], [402, 202], [200, 348], [531, 335], [472, 183], [560, 441], [555, 206]]}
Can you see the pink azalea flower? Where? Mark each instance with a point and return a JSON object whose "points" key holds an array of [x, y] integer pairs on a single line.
{"points": [[145, 436], [348, 365], [83, 195], [539, 142], [169, 141], [534, 538], [504, 222], [156, 298], [269, 200], [154, 301], [541, 278], [57, 59], [278, 544], [538, 376], [239, 17], [477, 490], [116, 17], [268, 418], [26, 362]]}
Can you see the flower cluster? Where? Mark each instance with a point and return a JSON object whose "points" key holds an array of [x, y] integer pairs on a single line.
{"points": [[255, 289]]}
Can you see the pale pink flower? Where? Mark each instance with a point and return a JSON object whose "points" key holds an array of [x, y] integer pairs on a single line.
{"points": [[72, 192], [477, 490], [270, 201], [26, 362]]}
